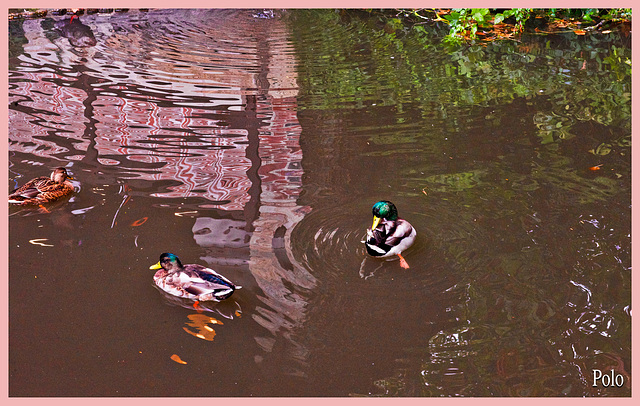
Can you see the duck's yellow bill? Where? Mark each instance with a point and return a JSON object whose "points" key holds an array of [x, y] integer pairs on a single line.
{"points": [[156, 266], [376, 221]]}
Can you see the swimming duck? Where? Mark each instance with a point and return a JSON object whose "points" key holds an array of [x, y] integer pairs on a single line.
{"points": [[190, 281], [389, 235], [42, 189]]}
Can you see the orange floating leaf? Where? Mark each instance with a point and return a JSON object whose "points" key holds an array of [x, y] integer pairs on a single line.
{"points": [[177, 359], [139, 222], [579, 32]]}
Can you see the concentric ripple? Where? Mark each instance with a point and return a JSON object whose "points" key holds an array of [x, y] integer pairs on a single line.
{"points": [[329, 242]]}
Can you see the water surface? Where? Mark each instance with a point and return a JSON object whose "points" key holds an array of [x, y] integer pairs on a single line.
{"points": [[256, 145]]}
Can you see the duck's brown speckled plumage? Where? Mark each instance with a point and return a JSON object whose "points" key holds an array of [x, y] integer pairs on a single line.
{"points": [[191, 281], [42, 189]]}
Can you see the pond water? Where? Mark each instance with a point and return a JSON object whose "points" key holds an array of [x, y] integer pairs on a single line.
{"points": [[256, 144]]}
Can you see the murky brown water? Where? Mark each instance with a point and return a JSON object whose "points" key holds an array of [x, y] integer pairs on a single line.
{"points": [[257, 146]]}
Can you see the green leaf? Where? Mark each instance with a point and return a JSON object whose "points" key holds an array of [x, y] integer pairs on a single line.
{"points": [[479, 13], [602, 149], [474, 29]]}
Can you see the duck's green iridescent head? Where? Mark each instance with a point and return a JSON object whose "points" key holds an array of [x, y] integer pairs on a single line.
{"points": [[383, 210], [168, 262]]}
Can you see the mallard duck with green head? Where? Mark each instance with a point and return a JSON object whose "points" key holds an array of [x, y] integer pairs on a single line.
{"points": [[42, 189], [389, 235], [191, 281]]}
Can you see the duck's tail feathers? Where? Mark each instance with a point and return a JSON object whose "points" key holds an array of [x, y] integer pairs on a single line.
{"points": [[223, 293]]}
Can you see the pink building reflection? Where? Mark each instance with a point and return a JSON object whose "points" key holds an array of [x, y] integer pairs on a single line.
{"points": [[207, 157], [214, 123]]}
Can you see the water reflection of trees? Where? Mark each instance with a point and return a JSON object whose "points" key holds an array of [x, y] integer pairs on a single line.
{"points": [[585, 77], [527, 141]]}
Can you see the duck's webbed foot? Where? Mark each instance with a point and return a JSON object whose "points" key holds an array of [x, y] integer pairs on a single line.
{"points": [[403, 263]]}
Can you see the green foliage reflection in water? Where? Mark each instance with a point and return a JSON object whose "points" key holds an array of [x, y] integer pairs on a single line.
{"points": [[584, 77], [521, 335]]}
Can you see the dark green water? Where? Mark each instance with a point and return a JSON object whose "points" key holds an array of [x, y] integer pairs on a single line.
{"points": [[257, 146]]}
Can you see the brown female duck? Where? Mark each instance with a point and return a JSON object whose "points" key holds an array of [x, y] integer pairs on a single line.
{"points": [[42, 189]]}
